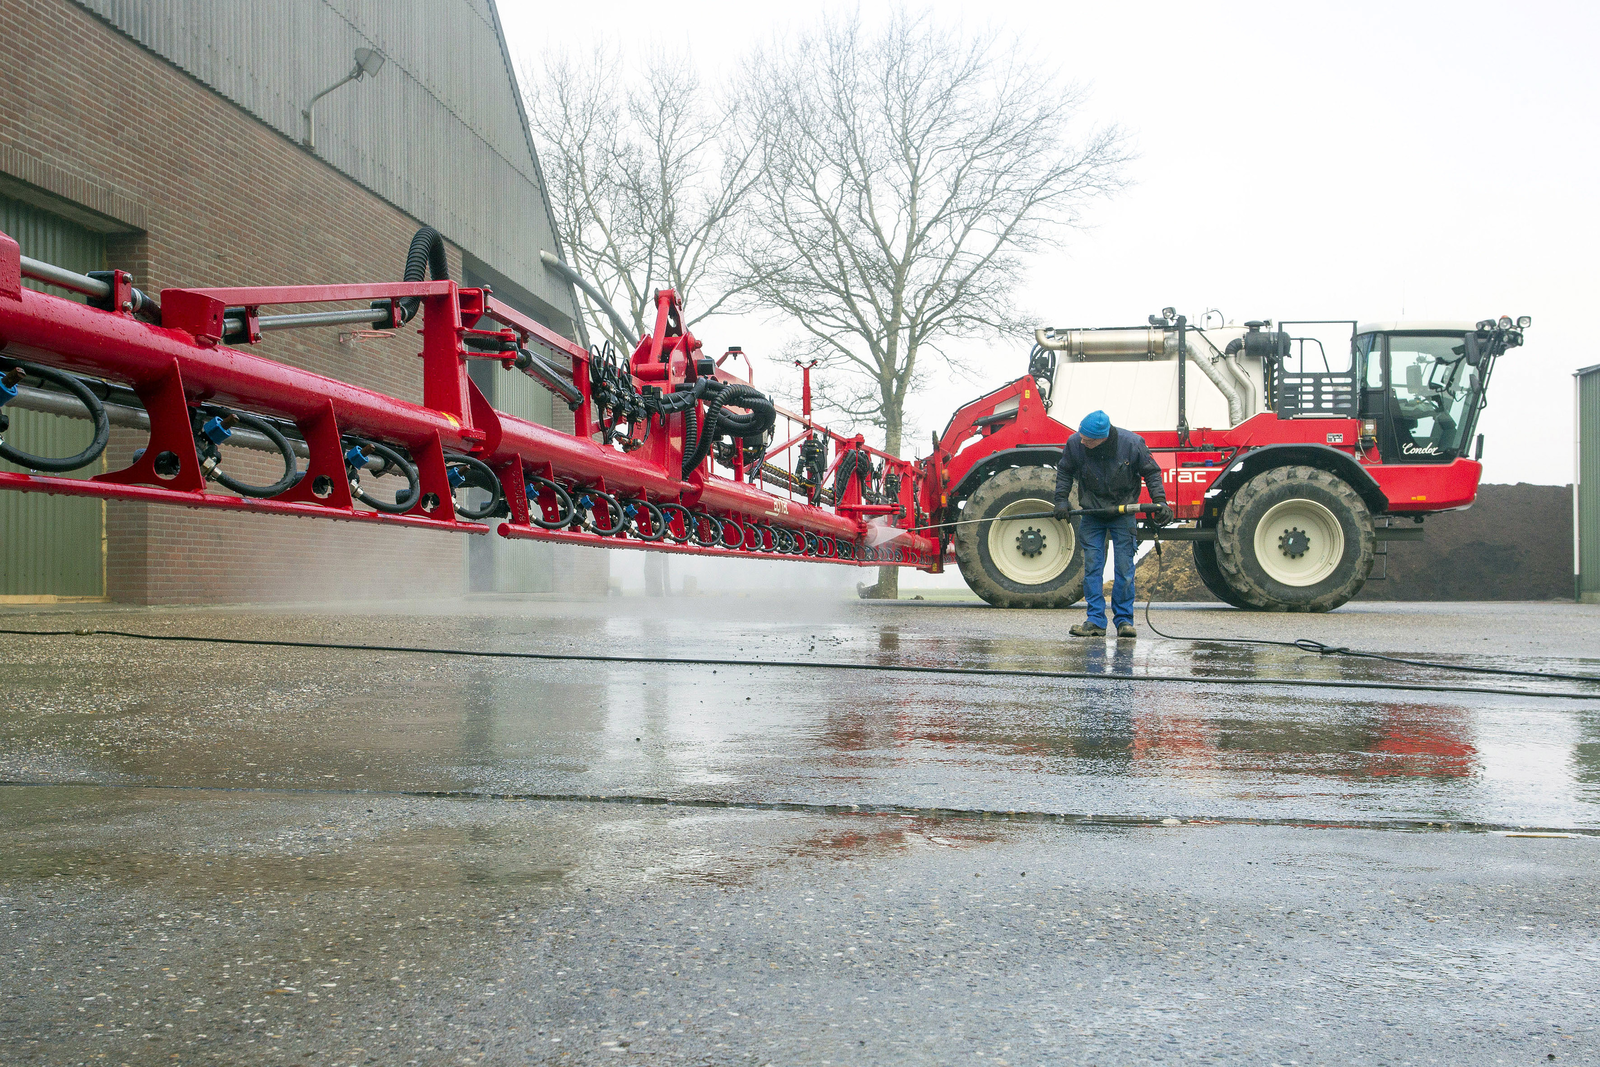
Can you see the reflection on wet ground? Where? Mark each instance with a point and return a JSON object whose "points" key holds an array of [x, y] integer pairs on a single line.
{"points": [[229, 854], [107, 710]]}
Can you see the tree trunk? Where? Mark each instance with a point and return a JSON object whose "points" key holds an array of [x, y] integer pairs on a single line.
{"points": [[888, 585]]}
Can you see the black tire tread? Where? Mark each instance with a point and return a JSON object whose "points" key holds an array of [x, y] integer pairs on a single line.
{"points": [[989, 498], [1234, 550], [1205, 565]]}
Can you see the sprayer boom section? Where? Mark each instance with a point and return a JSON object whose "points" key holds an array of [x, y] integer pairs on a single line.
{"points": [[669, 451]]}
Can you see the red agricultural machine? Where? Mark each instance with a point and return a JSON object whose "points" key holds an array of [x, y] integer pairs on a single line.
{"points": [[1284, 505], [671, 451]]}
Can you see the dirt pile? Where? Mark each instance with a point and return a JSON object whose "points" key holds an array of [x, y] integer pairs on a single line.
{"points": [[1514, 543]]}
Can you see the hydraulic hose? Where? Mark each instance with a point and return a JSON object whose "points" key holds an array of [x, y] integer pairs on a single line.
{"points": [[704, 520], [97, 412], [403, 501], [684, 516], [752, 425], [858, 465], [619, 520], [213, 457], [658, 520], [566, 509], [478, 475]]}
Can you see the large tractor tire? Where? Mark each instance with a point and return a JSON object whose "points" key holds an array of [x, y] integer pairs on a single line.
{"points": [[1205, 565], [1295, 539], [1019, 563]]}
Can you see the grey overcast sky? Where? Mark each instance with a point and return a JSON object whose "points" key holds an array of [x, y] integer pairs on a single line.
{"points": [[1312, 160]]}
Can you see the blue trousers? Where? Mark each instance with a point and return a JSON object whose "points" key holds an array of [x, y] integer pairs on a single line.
{"points": [[1093, 530]]}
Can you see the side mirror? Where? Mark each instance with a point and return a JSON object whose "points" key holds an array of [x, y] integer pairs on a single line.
{"points": [[1474, 353]]}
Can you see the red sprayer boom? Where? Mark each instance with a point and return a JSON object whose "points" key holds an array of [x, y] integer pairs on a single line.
{"points": [[637, 471]]}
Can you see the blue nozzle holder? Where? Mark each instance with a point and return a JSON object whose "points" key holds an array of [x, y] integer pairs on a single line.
{"points": [[213, 430]]}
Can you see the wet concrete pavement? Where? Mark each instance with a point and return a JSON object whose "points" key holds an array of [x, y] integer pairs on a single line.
{"points": [[227, 854]]}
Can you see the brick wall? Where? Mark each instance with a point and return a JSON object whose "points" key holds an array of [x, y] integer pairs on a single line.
{"points": [[220, 199]]}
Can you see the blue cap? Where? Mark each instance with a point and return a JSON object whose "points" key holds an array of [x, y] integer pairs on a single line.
{"points": [[1095, 424]]}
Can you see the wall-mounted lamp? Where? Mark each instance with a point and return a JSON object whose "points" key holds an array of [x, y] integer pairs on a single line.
{"points": [[368, 62]]}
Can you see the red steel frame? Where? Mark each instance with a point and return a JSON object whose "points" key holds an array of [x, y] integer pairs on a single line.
{"points": [[182, 362]]}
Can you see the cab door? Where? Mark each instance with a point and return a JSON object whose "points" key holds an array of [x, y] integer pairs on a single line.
{"points": [[1373, 356]]}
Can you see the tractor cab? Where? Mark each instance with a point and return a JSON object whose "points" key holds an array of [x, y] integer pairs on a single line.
{"points": [[1422, 384]]}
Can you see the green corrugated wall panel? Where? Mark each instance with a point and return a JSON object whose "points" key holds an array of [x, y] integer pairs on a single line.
{"points": [[1588, 474], [522, 566], [51, 545]]}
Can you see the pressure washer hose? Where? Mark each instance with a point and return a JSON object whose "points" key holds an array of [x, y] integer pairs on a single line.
{"points": [[1306, 644], [1250, 681]]}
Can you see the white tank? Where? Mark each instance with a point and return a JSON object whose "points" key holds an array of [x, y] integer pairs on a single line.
{"points": [[1132, 375]]}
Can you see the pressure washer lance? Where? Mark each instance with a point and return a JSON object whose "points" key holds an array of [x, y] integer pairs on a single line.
{"points": [[1120, 509]]}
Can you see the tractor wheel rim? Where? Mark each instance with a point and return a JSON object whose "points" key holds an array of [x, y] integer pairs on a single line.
{"points": [[1299, 543], [1047, 561]]}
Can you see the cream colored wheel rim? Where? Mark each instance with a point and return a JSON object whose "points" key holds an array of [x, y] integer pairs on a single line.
{"points": [[1030, 551], [1299, 543]]}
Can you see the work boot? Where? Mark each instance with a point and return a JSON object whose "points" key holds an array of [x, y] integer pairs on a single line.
{"points": [[1087, 629], [1127, 629]]}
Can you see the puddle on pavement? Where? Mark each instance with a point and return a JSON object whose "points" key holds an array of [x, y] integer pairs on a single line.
{"points": [[226, 845], [116, 712]]}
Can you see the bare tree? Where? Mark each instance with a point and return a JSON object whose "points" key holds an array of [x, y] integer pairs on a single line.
{"points": [[902, 174], [645, 174]]}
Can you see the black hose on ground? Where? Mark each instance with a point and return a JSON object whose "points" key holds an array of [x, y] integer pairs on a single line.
{"points": [[97, 412], [1306, 644], [833, 665]]}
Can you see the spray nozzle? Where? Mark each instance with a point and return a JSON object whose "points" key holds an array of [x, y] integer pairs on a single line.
{"points": [[217, 428]]}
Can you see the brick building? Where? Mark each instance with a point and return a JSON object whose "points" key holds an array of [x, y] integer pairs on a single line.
{"points": [[169, 139]]}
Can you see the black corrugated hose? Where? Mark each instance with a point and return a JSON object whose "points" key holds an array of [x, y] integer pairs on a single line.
{"points": [[425, 255]]}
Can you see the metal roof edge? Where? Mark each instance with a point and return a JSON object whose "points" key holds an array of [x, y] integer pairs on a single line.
{"points": [[533, 154], [1581, 371]]}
